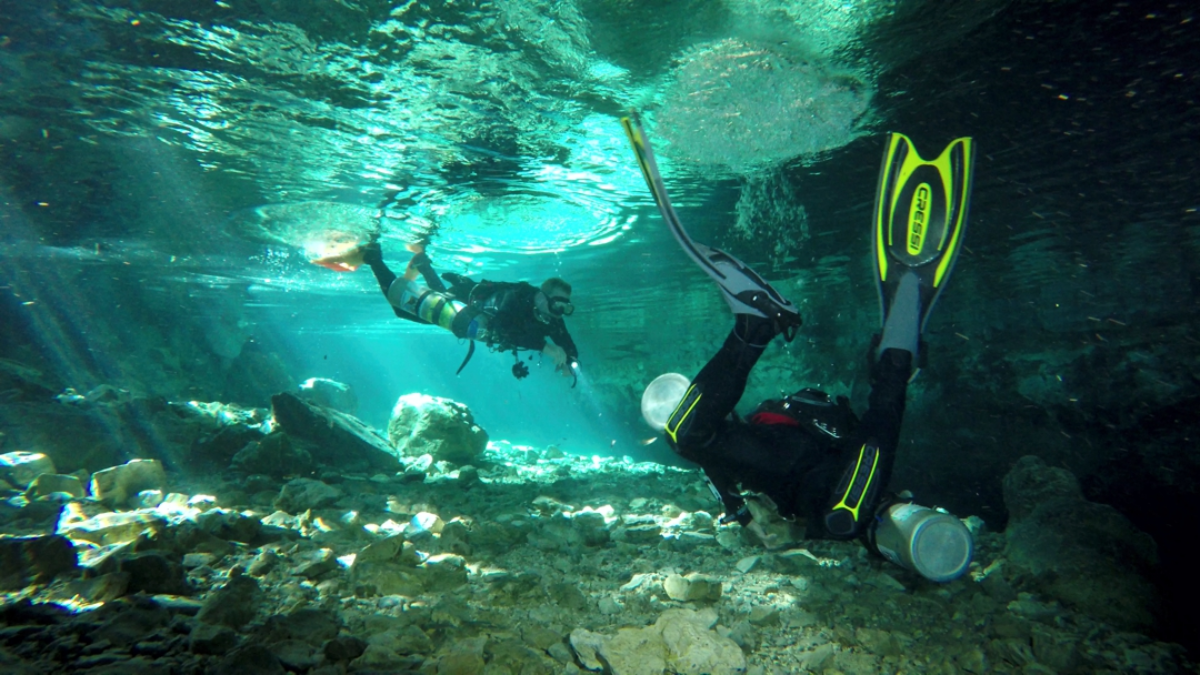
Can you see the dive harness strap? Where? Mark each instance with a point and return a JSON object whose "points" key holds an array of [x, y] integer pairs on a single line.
{"points": [[467, 358]]}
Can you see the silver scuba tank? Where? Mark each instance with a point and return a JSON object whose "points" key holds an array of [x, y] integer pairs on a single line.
{"points": [[930, 542]]}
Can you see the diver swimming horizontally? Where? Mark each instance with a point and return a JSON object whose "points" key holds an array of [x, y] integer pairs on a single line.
{"points": [[806, 454], [506, 316]]}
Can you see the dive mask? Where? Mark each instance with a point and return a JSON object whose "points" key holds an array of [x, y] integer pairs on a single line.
{"points": [[560, 305]]}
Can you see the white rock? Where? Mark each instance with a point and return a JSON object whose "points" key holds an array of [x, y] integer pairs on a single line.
{"points": [[746, 564], [115, 485], [20, 468]]}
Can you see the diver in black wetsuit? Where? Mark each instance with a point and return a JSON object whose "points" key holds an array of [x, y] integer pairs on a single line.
{"points": [[506, 316], [808, 455]]}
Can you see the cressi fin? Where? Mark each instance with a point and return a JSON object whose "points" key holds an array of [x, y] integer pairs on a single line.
{"points": [[920, 219], [743, 289]]}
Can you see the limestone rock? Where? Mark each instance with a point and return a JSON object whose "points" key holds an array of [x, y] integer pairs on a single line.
{"points": [[273, 455], [464, 657], [21, 468], [49, 484], [693, 587], [1031, 483], [314, 563], [385, 578], [455, 538], [251, 658], [212, 639], [334, 439], [296, 656], [112, 528], [153, 572], [230, 525], [37, 559], [330, 394], [405, 641], [377, 659], [234, 605], [445, 429], [263, 563], [344, 648], [116, 485], [592, 527], [125, 623], [1085, 554], [313, 626], [746, 564], [443, 572], [394, 549], [302, 494], [587, 646], [680, 642], [693, 648]]}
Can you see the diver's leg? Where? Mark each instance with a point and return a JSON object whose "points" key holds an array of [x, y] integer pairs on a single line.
{"points": [[421, 263], [720, 383], [856, 478], [868, 468], [372, 255], [902, 328]]}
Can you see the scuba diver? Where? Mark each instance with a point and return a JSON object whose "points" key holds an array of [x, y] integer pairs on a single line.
{"points": [[506, 316], [807, 455]]}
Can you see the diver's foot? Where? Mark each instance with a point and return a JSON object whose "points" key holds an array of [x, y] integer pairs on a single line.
{"points": [[416, 247], [371, 252], [748, 293], [760, 304], [756, 331]]}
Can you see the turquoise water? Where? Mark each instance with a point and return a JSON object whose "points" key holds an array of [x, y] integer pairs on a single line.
{"points": [[167, 170]]}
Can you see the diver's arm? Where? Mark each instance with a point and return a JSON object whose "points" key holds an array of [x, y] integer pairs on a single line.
{"points": [[558, 333], [724, 490], [559, 356]]}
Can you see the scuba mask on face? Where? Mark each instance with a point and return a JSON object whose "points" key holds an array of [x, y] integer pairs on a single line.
{"points": [[560, 305]]}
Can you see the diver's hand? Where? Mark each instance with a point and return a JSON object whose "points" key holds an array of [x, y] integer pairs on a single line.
{"points": [[770, 541], [559, 356]]}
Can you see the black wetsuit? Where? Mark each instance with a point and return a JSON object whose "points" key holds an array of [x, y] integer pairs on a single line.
{"points": [[799, 469], [513, 322]]}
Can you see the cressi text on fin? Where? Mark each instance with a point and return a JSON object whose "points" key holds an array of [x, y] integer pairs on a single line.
{"points": [[920, 216]]}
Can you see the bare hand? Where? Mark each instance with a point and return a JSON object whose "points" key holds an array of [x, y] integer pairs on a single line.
{"points": [[559, 356]]}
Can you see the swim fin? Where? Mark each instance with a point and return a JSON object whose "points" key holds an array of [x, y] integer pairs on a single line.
{"points": [[344, 260], [743, 289], [920, 220]]}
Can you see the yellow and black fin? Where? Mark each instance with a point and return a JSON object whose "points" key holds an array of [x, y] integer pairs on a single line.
{"points": [[920, 217]]}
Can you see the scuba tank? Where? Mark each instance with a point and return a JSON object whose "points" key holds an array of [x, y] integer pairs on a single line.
{"points": [[930, 542]]}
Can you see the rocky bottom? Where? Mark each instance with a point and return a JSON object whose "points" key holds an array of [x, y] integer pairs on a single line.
{"points": [[532, 562]]}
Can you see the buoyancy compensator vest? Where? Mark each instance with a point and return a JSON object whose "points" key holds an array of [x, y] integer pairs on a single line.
{"points": [[812, 410]]}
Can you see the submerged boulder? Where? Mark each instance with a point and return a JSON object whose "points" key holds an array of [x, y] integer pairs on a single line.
{"points": [[1085, 554], [34, 559], [273, 455], [21, 468], [439, 427], [116, 485], [333, 438]]}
